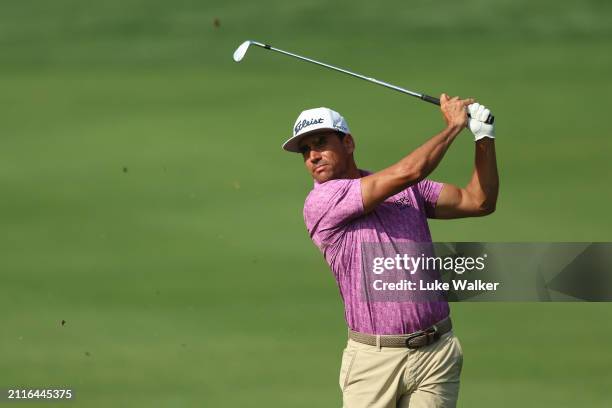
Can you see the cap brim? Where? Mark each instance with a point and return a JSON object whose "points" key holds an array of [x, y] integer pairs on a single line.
{"points": [[293, 144]]}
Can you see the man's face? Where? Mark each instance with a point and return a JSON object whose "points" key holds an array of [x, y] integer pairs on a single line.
{"points": [[326, 156]]}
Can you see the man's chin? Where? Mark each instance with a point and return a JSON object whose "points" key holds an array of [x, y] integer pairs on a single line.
{"points": [[323, 176]]}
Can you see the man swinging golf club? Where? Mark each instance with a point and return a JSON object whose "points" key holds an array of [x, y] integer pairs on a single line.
{"points": [[399, 354]]}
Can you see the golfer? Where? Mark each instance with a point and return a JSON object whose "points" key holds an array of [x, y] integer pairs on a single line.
{"points": [[399, 354]]}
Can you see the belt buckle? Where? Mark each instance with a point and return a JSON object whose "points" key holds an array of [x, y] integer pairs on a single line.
{"points": [[431, 334]]}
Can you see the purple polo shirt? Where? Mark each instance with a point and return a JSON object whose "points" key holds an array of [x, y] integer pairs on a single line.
{"points": [[337, 224]]}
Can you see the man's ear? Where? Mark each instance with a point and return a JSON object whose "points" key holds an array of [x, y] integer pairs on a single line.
{"points": [[349, 143]]}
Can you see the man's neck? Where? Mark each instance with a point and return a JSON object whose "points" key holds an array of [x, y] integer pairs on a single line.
{"points": [[353, 172]]}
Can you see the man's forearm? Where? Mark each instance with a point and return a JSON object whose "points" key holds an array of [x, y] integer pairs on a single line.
{"points": [[410, 170], [424, 160], [484, 185], [417, 165]]}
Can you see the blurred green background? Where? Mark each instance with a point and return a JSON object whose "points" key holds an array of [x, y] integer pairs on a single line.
{"points": [[147, 203]]}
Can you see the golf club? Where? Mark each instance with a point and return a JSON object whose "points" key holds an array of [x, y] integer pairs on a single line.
{"points": [[243, 48]]}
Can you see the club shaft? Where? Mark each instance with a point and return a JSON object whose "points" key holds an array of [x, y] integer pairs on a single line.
{"points": [[365, 78], [423, 97]]}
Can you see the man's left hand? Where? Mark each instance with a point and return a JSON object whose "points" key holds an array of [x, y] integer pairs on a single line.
{"points": [[478, 115]]}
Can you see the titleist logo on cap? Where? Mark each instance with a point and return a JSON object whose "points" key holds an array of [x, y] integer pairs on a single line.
{"points": [[305, 123]]}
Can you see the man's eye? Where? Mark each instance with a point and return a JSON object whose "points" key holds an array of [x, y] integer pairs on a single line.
{"points": [[304, 149], [320, 142]]}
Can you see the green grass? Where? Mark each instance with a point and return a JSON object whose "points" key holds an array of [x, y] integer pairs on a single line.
{"points": [[146, 200]]}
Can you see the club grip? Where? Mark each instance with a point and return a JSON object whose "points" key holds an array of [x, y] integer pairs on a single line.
{"points": [[490, 120], [430, 99]]}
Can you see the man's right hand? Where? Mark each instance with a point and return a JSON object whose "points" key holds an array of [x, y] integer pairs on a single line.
{"points": [[455, 110]]}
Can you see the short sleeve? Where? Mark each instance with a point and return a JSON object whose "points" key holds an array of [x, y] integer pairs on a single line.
{"points": [[330, 206], [430, 191]]}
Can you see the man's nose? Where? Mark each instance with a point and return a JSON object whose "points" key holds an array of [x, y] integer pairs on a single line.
{"points": [[314, 156]]}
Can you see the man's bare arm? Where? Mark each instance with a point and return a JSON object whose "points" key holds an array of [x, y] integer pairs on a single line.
{"points": [[479, 197], [413, 168]]}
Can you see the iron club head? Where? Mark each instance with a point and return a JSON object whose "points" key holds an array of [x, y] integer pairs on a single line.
{"points": [[241, 51]]}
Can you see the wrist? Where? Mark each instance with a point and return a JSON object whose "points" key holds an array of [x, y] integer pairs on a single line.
{"points": [[454, 129], [484, 139]]}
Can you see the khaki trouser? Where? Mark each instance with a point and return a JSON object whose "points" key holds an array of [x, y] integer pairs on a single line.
{"points": [[387, 377]]}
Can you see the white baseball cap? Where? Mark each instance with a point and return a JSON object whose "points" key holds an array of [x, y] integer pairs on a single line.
{"points": [[312, 120]]}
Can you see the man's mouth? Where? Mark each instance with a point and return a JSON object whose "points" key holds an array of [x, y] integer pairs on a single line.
{"points": [[319, 168]]}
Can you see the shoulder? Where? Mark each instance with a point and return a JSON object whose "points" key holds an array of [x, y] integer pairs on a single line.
{"points": [[335, 200], [326, 191], [428, 187]]}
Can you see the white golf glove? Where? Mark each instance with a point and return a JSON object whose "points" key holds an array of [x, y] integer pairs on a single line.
{"points": [[478, 115]]}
